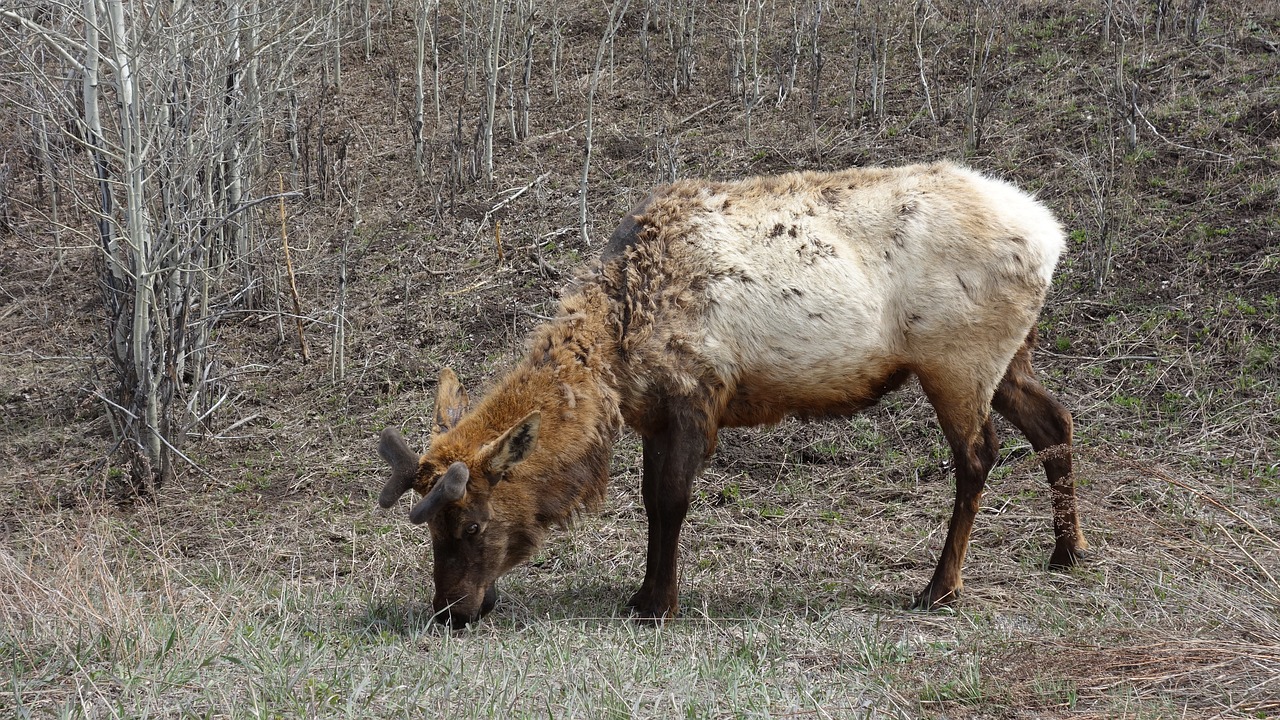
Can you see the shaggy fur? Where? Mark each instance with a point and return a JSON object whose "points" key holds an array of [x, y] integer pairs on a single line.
{"points": [[722, 304]]}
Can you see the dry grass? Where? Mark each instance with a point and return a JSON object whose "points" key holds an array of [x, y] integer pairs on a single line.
{"points": [[315, 607], [264, 584]]}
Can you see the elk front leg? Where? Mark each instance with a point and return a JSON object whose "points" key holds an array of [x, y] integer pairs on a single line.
{"points": [[672, 458], [974, 452]]}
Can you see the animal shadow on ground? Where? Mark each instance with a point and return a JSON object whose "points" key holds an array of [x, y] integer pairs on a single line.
{"points": [[603, 602]]}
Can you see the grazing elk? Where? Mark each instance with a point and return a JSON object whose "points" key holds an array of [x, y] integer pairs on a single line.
{"points": [[720, 304]]}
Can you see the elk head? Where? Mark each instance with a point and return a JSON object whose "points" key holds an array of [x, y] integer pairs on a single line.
{"points": [[478, 531]]}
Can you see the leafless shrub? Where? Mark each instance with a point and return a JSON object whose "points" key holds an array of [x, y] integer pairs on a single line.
{"points": [[166, 119], [683, 32], [984, 28], [744, 74], [922, 12]]}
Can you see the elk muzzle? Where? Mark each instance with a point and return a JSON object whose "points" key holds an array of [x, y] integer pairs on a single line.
{"points": [[457, 613]]}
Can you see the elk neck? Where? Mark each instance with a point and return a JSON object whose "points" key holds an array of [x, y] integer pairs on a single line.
{"points": [[567, 375]]}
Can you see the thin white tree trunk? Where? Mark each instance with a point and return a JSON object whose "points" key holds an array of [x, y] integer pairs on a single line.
{"points": [[419, 95], [435, 60], [235, 238], [335, 17], [137, 229], [616, 12], [527, 77], [920, 17], [492, 61], [556, 40]]}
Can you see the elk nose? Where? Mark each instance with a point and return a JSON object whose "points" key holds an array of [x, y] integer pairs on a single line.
{"points": [[456, 621], [453, 615], [456, 614], [490, 600]]}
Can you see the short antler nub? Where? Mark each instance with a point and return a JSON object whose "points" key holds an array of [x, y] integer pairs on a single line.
{"points": [[404, 466], [449, 488]]}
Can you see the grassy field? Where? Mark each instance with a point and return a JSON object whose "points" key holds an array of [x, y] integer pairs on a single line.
{"points": [[314, 606], [263, 582]]}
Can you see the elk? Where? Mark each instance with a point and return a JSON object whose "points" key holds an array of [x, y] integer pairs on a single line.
{"points": [[718, 304]]}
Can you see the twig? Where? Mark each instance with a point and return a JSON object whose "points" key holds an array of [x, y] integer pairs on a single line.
{"points": [[245, 206], [553, 133], [236, 424], [467, 289], [157, 433], [46, 358], [519, 192], [293, 285], [1226, 158], [547, 269], [115, 405], [712, 106], [488, 215], [553, 234]]}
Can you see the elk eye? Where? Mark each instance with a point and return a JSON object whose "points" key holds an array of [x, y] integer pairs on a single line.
{"points": [[473, 528]]}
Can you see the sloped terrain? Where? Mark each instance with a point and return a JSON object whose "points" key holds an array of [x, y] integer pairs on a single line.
{"points": [[263, 582]]}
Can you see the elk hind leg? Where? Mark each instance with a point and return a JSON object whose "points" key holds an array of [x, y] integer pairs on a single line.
{"points": [[1046, 423]]}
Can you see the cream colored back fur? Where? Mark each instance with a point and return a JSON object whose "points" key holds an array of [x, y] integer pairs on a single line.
{"points": [[802, 294]]}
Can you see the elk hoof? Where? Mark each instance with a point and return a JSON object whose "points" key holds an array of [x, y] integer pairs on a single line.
{"points": [[933, 598], [1068, 556], [646, 609]]}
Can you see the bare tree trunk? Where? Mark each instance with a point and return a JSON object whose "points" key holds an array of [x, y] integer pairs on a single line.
{"points": [[855, 64], [137, 228], [751, 90], [435, 59], [1108, 17], [419, 95], [1195, 18], [527, 18], [920, 17], [616, 11], [115, 275], [556, 40], [293, 283], [876, 62], [979, 54], [737, 65], [233, 235], [338, 362], [297, 163], [684, 46], [171, 148], [815, 74], [335, 17], [492, 63], [368, 31], [49, 167], [787, 73], [1162, 16]]}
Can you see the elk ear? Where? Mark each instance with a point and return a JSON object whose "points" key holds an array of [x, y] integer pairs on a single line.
{"points": [[514, 445], [451, 402]]}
